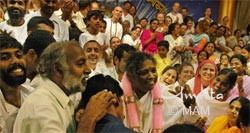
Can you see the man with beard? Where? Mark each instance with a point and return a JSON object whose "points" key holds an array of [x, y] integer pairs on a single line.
{"points": [[16, 25], [49, 108], [12, 75], [61, 31]]}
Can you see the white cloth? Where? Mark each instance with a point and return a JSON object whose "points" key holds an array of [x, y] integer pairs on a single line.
{"points": [[48, 109], [190, 82], [173, 108], [202, 18], [173, 42], [8, 112], [61, 30], [112, 72], [174, 17], [130, 19], [210, 107], [128, 39], [112, 30], [86, 36], [17, 32]]}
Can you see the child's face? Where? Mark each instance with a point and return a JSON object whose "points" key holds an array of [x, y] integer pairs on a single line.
{"points": [[162, 51], [169, 77], [102, 27]]}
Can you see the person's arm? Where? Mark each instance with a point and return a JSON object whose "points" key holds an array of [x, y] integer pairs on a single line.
{"points": [[200, 45], [147, 38], [96, 108]]}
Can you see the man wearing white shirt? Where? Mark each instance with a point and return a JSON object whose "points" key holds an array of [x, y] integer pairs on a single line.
{"points": [[16, 25], [61, 31], [126, 15], [114, 28], [175, 15]]}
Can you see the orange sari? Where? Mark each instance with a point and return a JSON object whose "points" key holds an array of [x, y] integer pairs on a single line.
{"points": [[220, 125]]}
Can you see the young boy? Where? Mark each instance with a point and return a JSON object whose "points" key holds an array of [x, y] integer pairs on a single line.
{"points": [[161, 58]]}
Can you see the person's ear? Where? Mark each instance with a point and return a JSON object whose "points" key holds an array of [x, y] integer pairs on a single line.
{"points": [[58, 71], [32, 54], [116, 60]]}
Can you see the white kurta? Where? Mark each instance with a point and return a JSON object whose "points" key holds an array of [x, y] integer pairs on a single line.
{"points": [[17, 32], [112, 30], [174, 17], [86, 36]]}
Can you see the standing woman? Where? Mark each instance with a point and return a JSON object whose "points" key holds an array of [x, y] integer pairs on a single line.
{"points": [[204, 76], [207, 16], [150, 37]]}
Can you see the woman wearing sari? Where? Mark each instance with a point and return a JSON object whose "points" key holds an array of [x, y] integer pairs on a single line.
{"points": [[227, 123]]}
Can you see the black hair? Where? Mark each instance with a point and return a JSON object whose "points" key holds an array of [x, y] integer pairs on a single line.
{"points": [[223, 54], [244, 116], [183, 65], [38, 40], [135, 63], [104, 21], [170, 68], [201, 52], [143, 19], [172, 27], [240, 57], [83, 4], [35, 21], [213, 23], [188, 18], [135, 27], [241, 99], [154, 19], [236, 31], [183, 128], [185, 8], [247, 47], [231, 76], [164, 44], [123, 48], [92, 13], [128, 3], [97, 84], [9, 42], [222, 27]]}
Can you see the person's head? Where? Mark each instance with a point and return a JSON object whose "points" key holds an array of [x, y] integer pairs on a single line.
{"points": [[103, 26], [154, 23], [188, 20], [94, 19], [132, 10], [97, 84], [176, 7], [224, 59], [84, 5], [206, 70], [12, 64], [225, 20], [243, 121], [16, 9], [183, 128], [238, 63], [92, 51], [161, 17], [237, 49], [141, 71], [143, 22], [237, 33], [186, 72], [94, 5], [127, 5], [246, 51], [136, 31], [224, 81], [117, 12], [126, 26], [202, 55], [174, 29], [241, 43], [168, 20], [67, 68], [40, 23], [210, 48], [184, 11], [163, 47], [114, 42], [202, 27], [168, 76], [33, 47], [48, 7], [234, 108], [184, 28], [102, 9], [121, 54], [208, 12], [212, 29], [221, 30]]}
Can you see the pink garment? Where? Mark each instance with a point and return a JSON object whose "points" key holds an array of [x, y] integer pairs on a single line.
{"points": [[152, 46], [246, 87]]}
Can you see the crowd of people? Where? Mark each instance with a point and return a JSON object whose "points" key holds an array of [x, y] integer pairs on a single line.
{"points": [[66, 66]]}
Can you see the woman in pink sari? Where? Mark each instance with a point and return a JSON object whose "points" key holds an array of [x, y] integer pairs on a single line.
{"points": [[150, 37]]}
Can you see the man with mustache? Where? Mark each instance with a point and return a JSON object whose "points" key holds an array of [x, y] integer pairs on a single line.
{"points": [[61, 31], [12, 75], [16, 25], [49, 109]]}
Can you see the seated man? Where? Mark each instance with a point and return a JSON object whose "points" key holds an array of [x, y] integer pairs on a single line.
{"points": [[112, 121]]}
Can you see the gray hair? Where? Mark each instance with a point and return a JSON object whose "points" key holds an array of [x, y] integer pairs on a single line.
{"points": [[54, 53]]}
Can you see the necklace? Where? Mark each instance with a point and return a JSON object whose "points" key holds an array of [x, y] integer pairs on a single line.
{"points": [[111, 29]]}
